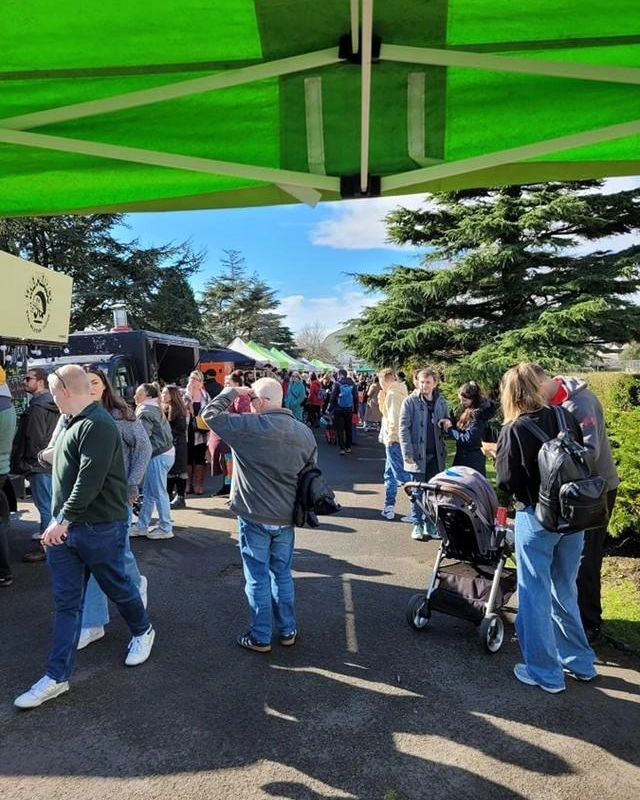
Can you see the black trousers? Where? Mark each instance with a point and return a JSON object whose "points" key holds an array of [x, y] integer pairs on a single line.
{"points": [[343, 420], [589, 593]]}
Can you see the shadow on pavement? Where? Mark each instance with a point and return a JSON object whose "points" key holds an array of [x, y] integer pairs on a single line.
{"points": [[361, 704]]}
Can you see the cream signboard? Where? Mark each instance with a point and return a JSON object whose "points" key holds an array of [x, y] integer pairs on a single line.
{"points": [[35, 303]]}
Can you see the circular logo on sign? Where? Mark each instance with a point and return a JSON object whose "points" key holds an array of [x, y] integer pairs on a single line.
{"points": [[38, 297]]}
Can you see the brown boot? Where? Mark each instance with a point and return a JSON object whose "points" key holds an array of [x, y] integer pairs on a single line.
{"points": [[35, 557]]}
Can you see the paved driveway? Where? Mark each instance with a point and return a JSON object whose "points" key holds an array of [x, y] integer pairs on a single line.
{"points": [[362, 707]]}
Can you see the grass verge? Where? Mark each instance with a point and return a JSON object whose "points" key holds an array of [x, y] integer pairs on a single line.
{"points": [[621, 600]]}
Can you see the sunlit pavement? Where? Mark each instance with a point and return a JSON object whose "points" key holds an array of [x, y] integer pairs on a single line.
{"points": [[362, 707]]}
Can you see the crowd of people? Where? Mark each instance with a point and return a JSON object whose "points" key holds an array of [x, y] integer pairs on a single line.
{"points": [[88, 455]]}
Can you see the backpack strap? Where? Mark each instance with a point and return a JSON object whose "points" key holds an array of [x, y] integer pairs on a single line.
{"points": [[536, 430], [560, 418]]}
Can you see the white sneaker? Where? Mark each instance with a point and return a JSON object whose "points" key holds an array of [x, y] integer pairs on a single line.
{"points": [[45, 689], [158, 533], [522, 674], [418, 533], [140, 648], [89, 635], [142, 588], [407, 518], [388, 512], [136, 531]]}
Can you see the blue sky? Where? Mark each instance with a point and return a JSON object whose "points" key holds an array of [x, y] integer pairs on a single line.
{"points": [[304, 253]]}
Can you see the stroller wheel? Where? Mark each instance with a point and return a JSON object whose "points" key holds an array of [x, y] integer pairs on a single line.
{"points": [[492, 632], [418, 612]]}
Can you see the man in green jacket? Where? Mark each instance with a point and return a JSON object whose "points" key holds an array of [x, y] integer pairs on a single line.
{"points": [[7, 432], [87, 532]]}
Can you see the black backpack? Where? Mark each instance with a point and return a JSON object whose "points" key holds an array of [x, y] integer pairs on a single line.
{"points": [[572, 497]]}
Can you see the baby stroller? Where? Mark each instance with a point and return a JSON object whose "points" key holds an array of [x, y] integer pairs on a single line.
{"points": [[469, 579], [326, 423]]}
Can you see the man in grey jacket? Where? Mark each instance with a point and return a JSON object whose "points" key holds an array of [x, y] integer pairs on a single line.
{"points": [[270, 449], [576, 397], [422, 440]]}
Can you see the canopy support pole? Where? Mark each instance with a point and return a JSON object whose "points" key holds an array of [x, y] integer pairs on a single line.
{"points": [[526, 66], [281, 177], [355, 26], [510, 156], [174, 91], [365, 123]]}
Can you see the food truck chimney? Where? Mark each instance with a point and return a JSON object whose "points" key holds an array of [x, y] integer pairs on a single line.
{"points": [[120, 322]]}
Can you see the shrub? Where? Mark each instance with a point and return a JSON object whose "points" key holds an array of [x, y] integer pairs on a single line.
{"points": [[619, 394]]}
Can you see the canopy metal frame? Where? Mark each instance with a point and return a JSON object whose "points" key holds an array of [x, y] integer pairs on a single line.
{"points": [[309, 186]]}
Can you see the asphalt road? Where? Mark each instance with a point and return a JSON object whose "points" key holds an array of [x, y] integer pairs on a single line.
{"points": [[362, 707]]}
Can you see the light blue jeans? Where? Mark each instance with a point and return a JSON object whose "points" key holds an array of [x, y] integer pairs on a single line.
{"points": [[394, 473], [154, 492], [267, 556], [40, 483], [431, 469], [96, 604], [549, 627]]}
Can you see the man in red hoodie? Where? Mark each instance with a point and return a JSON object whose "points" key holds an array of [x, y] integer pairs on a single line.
{"points": [[576, 397]]}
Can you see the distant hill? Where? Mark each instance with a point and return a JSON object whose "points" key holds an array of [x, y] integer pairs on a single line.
{"points": [[341, 356]]}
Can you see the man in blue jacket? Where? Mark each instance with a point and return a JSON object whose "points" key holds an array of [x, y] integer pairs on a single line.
{"points": [[343, 404]]}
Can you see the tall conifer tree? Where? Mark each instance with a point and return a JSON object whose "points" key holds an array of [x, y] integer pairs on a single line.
{"points": [[510, 273]]}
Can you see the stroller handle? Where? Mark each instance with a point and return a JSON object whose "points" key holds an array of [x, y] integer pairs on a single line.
{"points": [[410, 486]]}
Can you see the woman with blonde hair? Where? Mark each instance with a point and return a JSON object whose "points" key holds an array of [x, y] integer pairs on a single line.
{"points": [[550, 632], [197, 398]]}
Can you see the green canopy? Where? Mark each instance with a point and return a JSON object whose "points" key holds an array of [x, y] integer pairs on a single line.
{"points": [[267, 354], [159, 104]]}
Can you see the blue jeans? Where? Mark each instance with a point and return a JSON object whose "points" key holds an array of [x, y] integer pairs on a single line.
{"points": [[394, 473], [550, 631], [96, 604], [40, 483], [97, 549], [267, 556], [431, 469], [154, 492]]}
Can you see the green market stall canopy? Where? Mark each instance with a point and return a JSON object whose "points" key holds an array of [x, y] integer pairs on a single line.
{"points": [[160, 104]]}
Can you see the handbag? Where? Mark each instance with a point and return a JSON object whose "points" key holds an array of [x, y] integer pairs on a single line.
{"points": [[201, 425]]}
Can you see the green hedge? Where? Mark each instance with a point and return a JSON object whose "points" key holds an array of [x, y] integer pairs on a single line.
{"points": [[619, 393]]}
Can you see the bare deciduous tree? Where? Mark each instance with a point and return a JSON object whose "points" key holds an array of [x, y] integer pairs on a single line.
{"points": [[310, 341]]}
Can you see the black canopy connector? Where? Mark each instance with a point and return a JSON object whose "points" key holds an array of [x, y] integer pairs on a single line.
{"points": [[350, 187], [345, 51]]}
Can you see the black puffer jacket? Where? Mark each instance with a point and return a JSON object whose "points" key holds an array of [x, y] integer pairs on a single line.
{"points": [[34, 432]]}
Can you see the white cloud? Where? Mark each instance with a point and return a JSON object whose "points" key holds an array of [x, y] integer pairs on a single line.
{"points": [[331, 312], [359, 224]]}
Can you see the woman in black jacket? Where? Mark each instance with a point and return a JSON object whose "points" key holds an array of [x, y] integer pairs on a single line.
{"points": [[550, 632], [176, 412], [469, 430]]}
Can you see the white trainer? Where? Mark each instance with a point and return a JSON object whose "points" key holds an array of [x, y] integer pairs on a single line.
{"points": [[407, 518], [140, 648], [134, 530], [142, 588], [158, 533], [45, 689], [89, 635], [388, 512]]}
